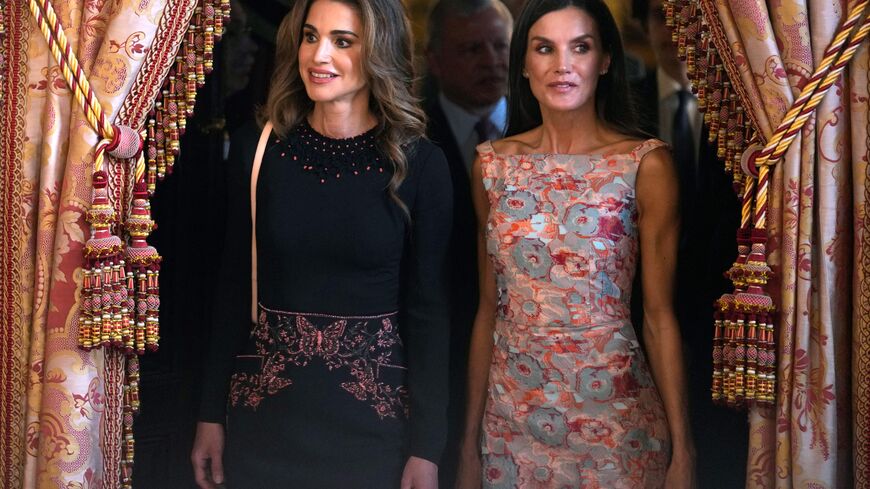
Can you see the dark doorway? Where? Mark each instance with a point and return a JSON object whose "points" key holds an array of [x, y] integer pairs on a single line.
{"points": [[189, 207]]}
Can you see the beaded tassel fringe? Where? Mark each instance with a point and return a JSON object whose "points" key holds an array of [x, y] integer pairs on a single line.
{"points": [[142, 276], [744, 351], [105, 315], [131, 409], [744, 357], [120, 285], [743, 339]]}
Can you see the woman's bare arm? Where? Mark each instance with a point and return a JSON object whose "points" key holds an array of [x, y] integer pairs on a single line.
{"points": [[480, 350], [658, 223]]}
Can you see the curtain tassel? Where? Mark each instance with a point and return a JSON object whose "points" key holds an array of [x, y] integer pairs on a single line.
{"points": [[756, 306], [103, 293], [143, 272]]}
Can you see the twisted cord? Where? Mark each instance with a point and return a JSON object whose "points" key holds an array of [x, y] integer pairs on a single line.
{"points": [[746, 206], [72, 71], [835, 59]]}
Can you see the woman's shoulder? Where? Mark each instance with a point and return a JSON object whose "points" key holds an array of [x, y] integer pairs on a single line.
{"points": [[428, 171], [424, 158], [422, 153], [643, 147], [422, 149], [655, 166]]}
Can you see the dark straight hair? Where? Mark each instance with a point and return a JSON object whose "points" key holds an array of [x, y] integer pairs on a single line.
{"points": [[612, 100]]}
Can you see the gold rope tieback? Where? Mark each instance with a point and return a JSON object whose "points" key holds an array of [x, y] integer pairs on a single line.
{"points": [[120, 287], [834, 61], [744, 353]]}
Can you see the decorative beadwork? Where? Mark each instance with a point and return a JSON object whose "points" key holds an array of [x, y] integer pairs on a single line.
{"points": [[328, 158]]}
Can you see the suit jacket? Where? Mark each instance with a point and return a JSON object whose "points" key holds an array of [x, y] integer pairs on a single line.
{"points": [[463, 241], [462, 259]]}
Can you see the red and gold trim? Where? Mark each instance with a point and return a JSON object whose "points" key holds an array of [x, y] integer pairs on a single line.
{"points": [[162, 99], [120, 290], [702, 44], [744, 351], [159, 103], [14, 32], [861, 343]]}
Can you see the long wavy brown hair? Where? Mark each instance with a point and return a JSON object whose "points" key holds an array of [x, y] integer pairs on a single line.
{"points": [[388, 60]]}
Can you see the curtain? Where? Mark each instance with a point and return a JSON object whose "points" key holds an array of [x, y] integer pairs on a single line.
{"points": [[60, 409], [815, 434]]}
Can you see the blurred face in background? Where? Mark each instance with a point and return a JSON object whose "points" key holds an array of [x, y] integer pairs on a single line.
{"points": [[330, 56], [471, 60], [239, 50], [564, 60], [662, 45]]}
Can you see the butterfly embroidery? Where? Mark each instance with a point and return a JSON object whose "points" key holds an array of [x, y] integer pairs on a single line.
{"points": [[314, 342], [359, 348]]}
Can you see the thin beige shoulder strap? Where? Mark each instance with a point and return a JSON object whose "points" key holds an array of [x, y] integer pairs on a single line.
{"points": [[255, 174]]}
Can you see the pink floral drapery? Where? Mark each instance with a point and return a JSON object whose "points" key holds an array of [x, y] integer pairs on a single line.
{"points": [[818, 246], [59, 419]]}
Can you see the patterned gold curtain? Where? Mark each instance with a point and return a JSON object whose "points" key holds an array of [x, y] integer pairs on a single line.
{"points": [[752, 61], [62, 408]]}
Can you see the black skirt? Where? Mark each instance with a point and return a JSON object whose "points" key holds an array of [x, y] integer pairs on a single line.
{"points": [[318, 401]]}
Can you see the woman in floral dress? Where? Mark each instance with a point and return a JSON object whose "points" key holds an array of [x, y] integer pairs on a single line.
{"points": [[560, 393]]}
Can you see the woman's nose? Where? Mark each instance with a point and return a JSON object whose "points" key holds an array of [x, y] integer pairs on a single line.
{"points": [[323, 53], [564, 66]]}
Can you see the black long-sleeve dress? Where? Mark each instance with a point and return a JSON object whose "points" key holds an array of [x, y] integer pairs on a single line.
{"points": [[344, 374]]}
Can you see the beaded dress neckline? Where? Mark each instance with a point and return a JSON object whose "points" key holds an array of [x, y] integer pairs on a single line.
{"points": [[330, 158]]}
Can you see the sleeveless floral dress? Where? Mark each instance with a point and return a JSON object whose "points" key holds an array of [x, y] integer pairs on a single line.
{"points": [[571, 402]]}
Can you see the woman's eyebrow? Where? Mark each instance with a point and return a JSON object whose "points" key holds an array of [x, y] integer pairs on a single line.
{"points": [[335, 32]]}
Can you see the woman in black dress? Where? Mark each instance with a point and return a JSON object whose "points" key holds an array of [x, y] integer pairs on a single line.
{"points": [[342, 380]]}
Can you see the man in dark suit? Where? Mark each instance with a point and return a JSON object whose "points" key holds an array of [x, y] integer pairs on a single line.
{"points": [[709, 219], [467, 56]]}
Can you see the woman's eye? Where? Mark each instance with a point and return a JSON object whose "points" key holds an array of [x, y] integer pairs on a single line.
{"points": [[544, 49], [310, 37], [343, 43], [582, 48]]}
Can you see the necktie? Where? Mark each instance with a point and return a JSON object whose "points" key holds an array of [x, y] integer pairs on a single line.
{"points": [[485, 130], [684, 147], [683, 137]]}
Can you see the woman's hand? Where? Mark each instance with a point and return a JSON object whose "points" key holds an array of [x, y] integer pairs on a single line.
{"points": [[681, 471], [207, 455], [420, 474], [469, 474]]}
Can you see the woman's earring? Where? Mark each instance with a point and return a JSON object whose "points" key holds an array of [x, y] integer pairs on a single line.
{"points": [[525, 74]]}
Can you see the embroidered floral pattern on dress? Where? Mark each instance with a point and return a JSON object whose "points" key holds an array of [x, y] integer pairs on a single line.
{"points": [[361, 348], [570, 401]]}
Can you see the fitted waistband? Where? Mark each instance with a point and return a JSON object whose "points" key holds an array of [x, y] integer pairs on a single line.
{"points": [[326, 315], [509, 328]]}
